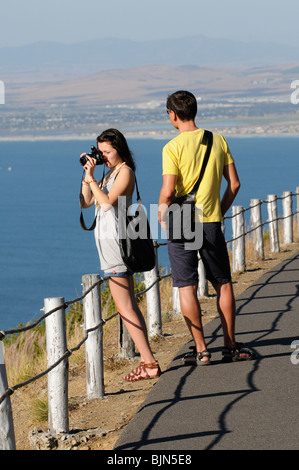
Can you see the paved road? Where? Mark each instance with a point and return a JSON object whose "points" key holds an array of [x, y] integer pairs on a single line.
{"points": [[249, 405]]}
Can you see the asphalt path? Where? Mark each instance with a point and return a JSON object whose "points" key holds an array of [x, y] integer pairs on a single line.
{"points": [[250, 405]]}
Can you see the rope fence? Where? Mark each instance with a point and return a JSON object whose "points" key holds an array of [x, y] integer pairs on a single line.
{"points": [[242, 210], [54, 316]]}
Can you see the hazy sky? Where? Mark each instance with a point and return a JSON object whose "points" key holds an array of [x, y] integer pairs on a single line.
{"points": [[71, 21]]}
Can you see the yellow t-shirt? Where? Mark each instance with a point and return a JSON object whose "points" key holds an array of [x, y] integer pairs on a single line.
{"points": [[183, 157]]}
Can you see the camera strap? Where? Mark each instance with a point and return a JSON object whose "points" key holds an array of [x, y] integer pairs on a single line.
{"points": [[82, 222]]}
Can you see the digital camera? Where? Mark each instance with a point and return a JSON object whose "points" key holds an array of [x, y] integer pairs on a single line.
{"points": [[96, 154]]}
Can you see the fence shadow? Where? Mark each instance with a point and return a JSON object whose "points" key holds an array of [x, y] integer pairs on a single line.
{"points": [[262, 338]]}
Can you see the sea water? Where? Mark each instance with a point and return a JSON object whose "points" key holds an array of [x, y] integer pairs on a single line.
{"points": [[43, 250]]}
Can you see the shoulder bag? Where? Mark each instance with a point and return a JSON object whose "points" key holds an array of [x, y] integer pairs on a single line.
{"points": [[135, 240]]}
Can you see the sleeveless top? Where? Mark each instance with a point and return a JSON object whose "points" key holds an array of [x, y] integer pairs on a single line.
{"points": [[106, 234]]}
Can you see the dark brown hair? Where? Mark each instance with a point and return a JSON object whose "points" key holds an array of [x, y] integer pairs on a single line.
{"points": [[119, 143], [184, 104]]}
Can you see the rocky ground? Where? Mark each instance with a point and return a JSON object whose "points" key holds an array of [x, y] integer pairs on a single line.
{"points": [[96, 424]]}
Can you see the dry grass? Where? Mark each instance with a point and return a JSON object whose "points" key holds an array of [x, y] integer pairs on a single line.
{"points": [[25, 356]]}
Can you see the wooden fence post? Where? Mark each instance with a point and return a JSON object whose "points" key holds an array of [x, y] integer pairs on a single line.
{"points": [[153, 301], [287, 207], [203, 289], [297, 192], [256, 221], [238, 226], [126, 346], [94, 356], [57, 377], [7, 436], [176, 304], [273, 223]]}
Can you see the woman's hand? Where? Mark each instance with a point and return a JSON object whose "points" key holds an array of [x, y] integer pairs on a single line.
{"points": [[89, 167]]}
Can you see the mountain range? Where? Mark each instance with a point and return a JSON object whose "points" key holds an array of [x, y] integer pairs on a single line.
{"points": [[121, 72], [55, 61]]}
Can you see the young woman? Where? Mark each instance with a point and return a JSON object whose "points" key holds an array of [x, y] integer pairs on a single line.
{"points": [[119, 181]]}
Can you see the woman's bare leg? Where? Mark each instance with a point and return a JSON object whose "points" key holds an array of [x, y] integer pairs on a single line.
{"points": [[122, 290]]}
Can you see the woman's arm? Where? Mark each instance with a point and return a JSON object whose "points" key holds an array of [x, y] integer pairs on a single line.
{"points": [[123, 186], [88, 198]]}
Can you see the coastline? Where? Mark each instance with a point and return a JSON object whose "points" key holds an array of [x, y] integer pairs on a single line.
{"points": [[150, 134]]}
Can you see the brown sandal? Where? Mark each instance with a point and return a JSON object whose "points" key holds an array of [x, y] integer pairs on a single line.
{"points": [[136, 374]]}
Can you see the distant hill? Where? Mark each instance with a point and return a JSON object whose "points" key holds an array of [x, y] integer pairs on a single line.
{"points": [[150, 83], [55, 61]]}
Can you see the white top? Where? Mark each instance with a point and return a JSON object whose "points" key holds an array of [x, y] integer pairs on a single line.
{"points": [[106, 234]]}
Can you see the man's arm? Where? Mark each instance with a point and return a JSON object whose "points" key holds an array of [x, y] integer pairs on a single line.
{"points": [[166, 197], [233, 186]]}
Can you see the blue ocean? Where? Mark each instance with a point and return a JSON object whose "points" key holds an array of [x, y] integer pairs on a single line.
{"points": [[43, 250]]}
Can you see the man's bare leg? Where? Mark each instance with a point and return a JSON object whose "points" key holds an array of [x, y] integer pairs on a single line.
{"points": [[192, 314], [226, 306]]}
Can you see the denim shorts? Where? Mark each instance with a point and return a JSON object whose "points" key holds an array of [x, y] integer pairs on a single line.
{"points": [[121, 274], [184, 263]]}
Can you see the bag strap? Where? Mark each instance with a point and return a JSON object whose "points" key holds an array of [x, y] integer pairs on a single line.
{"points": [[137, 190], [208, 141]]}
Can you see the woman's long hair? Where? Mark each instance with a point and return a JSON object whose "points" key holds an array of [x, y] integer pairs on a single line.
{"points": [[119, 143]]}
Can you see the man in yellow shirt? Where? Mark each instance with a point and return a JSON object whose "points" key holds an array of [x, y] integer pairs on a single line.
{"points": [[182, 161]]}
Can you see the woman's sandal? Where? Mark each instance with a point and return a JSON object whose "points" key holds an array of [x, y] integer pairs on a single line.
{"points": [[140, 373], [234, 354], [195, 358]]}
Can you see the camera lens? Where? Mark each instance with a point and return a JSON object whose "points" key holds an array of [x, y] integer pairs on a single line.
{"points": [[83, 160], [96, 154]]}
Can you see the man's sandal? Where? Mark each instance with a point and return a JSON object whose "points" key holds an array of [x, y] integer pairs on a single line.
{"points": [[234, 354], [195, 358], [140, 373]]}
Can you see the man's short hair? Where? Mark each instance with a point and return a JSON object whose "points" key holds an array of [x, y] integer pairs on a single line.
{"points": [[184, 104]]}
